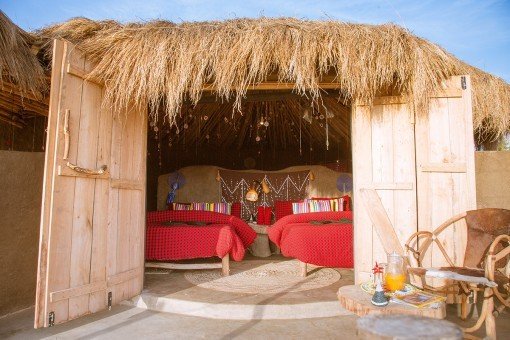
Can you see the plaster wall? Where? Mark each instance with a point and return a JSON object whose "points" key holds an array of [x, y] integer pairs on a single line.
{"points": [[201, 184], [492, 179], [20, 207]]}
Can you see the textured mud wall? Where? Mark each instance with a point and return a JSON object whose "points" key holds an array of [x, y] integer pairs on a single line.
{"points": [[201, 184], [493, 179], [21, 176]]}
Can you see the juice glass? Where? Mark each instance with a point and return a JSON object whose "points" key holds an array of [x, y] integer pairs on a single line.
{"points": [[395, 277]]}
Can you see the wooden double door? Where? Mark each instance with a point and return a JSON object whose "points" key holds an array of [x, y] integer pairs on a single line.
{"points": [[93, 210], [417, 166]]}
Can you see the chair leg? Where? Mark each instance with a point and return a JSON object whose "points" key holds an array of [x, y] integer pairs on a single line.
{"points": [[485, 316], [225, 265], [302, 269], [464, 307], [490, 320]]}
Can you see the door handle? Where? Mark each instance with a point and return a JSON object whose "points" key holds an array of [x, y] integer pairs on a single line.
{"points": [[66, 134], [86, 171]]}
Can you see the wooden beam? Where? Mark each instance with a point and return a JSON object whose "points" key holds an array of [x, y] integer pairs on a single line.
{"points": [[447, 93], [77, 291], [265, 96], [275, 86], [11, 122], [123, 277], [16, 103], [381, 221], [182, 266], [78, 72], [126, 184], [444, 167], [389, 186], [9, 88]]}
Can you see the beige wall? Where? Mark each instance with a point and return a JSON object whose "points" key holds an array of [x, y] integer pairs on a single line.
{"points": [[21, 176], [201, 184], [493, 179]]}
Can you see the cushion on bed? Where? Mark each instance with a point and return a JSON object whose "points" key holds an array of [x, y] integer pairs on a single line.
{"points": [[300, 207], [224, 208], [282, 209]]}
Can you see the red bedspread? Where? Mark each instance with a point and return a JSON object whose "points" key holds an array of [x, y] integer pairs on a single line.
{"points": [[224, 234], [329, 245]]}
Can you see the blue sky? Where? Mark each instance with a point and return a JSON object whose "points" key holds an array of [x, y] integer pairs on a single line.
{"points": [[476, 31]]}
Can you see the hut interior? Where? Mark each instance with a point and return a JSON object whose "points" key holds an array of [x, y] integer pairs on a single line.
{"points": [[271, 131]]}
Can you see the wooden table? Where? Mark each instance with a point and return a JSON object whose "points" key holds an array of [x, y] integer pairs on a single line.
{"points": [[260, 247], [357, 301]]}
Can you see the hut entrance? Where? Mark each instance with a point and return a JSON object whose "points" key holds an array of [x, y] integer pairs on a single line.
{"points": [[418, 170], [213, 154]]}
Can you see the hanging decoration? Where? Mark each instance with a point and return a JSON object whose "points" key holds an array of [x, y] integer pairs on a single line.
{"points": [[277, 186], [300, 138], [176, 181], [344, 183]]}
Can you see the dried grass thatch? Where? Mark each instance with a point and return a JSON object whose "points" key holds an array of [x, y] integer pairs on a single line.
{"points": [[161, 62], [17, 61]]}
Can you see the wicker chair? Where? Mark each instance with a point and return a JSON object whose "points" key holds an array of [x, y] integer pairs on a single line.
{"points": [[486, 266]]}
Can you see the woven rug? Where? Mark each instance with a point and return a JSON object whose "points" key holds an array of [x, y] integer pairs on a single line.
{"points": [[269, 278]]}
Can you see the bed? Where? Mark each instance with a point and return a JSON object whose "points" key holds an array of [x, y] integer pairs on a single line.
{"points": [[320, 238], [181, 235]]}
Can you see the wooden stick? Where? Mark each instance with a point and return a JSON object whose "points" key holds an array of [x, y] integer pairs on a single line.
{"points": [[302, 269], [225, 265], [183, 266]]}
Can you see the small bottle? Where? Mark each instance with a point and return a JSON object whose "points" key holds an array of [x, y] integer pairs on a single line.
{"points": [[379, 299]]}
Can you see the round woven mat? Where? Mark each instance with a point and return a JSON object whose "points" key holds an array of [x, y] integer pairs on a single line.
{"points": [[269, 278]]}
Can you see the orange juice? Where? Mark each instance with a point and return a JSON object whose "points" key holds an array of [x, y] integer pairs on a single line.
{"points": [[394, 281]]}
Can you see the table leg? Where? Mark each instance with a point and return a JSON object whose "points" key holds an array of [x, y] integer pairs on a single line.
{"points": [[225, 265], [302, 269]]}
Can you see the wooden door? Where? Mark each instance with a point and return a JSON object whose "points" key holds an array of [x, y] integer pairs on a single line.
{"points": [[383, 168], [93, 210], [445, 154]]}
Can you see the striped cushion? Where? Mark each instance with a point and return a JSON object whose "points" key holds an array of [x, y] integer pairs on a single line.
{"points": [[337, 204], [300, 208], [223, 208], [181, 206], [319, 205]]}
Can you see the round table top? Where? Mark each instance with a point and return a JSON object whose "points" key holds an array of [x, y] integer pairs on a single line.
{"points": [[407, 327], [359, 302]]}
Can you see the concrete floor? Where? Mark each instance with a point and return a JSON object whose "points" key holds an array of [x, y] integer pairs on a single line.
{"points": [[124, 322], [127, 322], [134, 323]]}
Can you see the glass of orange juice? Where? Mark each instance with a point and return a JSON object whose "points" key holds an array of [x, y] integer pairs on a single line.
{"points": [[394, 278]]}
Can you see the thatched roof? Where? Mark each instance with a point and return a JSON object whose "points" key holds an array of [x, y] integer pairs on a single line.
{"points": [[161, 62], [18, 62], [22, 78]]}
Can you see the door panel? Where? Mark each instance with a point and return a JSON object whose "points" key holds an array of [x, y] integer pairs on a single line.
{"points": [[127, 207], [78, 192], [383, 160], [445, 166]]}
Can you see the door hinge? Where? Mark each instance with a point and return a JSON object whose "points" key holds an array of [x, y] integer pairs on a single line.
{"points": [[51, 319], [463, 82], [110, 299]]}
